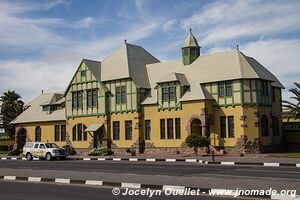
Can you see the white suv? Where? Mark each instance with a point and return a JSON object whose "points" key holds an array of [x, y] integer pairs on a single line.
{"points": [[43, 150]]}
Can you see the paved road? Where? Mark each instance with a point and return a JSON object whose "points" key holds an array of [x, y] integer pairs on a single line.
{"points": [[184, 174], [170, 169], [34, 191]]}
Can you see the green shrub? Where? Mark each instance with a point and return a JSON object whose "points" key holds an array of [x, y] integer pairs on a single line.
{"points": [[195, 141], [3, 148], [15, 152], [104, 151], [70, 151]]}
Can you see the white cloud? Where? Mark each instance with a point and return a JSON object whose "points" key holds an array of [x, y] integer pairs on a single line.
{"points": [[86, 22], [169, 25], [60, 56], [227, 20]]}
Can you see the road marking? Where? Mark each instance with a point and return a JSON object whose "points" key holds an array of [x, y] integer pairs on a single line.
{"points": [[227, 163], [170, 160], [86, 158], [101, 159], [271, 164], [13, 158], [116, 159], [190, 160], [34, 179], [3, 158], [62, 180], [173, 187], [24, 158], [92, 182], [200, 161], [131, 185], [35, 159], [298, 165], [133, 159], [268, 171], [150, 159], [9, 177], [284, 197]]}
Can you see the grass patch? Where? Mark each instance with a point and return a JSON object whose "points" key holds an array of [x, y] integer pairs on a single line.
{"points": [[287, 155], [4, 152]]}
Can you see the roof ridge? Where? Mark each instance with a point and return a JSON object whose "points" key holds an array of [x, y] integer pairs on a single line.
{"points": [[128, 62], [239, 61], [85, 59]]}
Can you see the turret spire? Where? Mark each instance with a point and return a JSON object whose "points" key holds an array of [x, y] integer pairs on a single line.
{"points": [[190, 49]]}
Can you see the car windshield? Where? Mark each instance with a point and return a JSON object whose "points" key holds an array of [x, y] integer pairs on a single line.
{"points": [[51, 145]]}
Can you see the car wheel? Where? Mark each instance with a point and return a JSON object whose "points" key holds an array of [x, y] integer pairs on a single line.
{"points": [[29, 156], [48, 157]]}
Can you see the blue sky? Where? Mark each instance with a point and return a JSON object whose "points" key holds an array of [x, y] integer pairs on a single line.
{"points": [[43, 42]]}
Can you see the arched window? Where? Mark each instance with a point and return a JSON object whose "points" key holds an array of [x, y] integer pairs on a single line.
{"points": [[264, 126], [74, 133], [38, 134], [78, 132]]}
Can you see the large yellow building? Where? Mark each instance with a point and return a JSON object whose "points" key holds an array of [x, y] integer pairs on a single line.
{"points": [[131, 99]]}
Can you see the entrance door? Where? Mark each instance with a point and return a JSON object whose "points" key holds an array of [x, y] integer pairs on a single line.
{"points": [[196, 127], [21, 138], [98, 138]]}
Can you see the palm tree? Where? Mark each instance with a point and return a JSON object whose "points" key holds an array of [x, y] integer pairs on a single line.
{"points": [[11, 107], [293, 108]]}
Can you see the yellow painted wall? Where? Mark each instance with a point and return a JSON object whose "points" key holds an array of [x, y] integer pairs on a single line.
{"points": [[87, 121], [188, 109], [47, 131], [136, 125]]}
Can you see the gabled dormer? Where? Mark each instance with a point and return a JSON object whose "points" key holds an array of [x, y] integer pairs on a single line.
{"points": [[85, 95], [170, 89]]}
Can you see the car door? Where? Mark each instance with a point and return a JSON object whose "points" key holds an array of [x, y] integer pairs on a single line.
{"points": [[35, 149], [42, 150]]}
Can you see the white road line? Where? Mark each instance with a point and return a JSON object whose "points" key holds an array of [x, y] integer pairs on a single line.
{"points": [[150, 159], [170, 160], [34, 179], [190, 160], [271, 164], [24, 158], [13, 158], [102, 159], [62, 180], [227, 163], [284, 197], [133, 159], [36, 159], [131, 185], [3, 158], [92, 182], [86, 158], [9, 177], [269, 171], [116, 159], [173, 187], [298, 165]]}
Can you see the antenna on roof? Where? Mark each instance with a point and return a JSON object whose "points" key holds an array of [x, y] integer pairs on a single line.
{"points": [[190, 29], [42, 91], [125, 41], [237, 47]]}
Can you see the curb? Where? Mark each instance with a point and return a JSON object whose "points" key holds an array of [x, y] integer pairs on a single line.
{"points": [[163, 188], [187, 160]]}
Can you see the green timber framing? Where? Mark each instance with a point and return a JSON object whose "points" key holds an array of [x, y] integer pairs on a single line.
{"points": [[179, 93], [134, 93], [254, 88], [90, 82]]}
